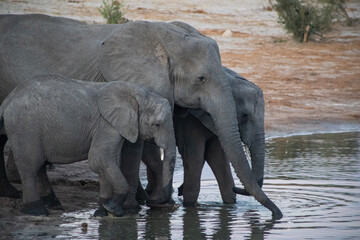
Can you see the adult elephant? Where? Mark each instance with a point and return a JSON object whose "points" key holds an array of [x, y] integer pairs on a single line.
{"points": [[179, 63], [197, 142]]}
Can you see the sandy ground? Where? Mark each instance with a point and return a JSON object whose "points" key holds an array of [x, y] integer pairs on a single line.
{"points": [[312, 87]]}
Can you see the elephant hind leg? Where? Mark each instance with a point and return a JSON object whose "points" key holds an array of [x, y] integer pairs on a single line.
{"points": [[29, 160], [47, 194], [6, 189]]}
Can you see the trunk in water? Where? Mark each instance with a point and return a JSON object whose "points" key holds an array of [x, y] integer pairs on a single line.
{"points": [[257, 152], [228, 133]]}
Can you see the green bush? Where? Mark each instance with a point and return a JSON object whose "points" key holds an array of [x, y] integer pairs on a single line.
{"points": [[113, 11], [304, 18]]}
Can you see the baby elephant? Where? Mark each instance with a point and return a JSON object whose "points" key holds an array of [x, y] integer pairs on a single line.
{"points": [[53, 119]]}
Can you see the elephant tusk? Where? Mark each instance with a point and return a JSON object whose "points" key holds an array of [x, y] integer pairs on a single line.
{"points": [[247, 152], [162, 154]]}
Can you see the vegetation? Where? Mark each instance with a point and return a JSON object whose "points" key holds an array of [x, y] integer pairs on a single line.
{"points": [[303, 18], [113, 11]]}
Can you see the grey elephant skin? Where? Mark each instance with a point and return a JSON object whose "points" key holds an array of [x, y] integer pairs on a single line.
{"points": [[197, 142], [171, 59], [55, 119]]}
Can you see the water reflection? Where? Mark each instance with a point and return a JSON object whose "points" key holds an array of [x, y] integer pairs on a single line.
{"points": [[313, 179]]}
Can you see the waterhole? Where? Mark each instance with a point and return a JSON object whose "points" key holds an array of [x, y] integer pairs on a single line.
{"points": [[314, 179]]}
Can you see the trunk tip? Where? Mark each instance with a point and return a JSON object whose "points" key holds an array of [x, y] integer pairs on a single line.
{"points": [[276, 212]]}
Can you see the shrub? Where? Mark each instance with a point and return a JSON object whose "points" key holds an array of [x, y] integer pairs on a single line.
{"points": [[113, 11], [304, 18]]}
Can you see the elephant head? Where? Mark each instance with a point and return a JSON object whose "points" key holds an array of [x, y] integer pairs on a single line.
{"points": [[184, 66], [250, 115], [135, 112]]}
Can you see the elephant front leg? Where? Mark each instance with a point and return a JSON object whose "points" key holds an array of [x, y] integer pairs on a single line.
{"points": [[105, 194], [193, 161], [220, 166], [129, 165]]}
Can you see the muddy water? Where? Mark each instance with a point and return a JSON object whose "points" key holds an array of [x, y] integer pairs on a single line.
{"points": [[314, 179]]}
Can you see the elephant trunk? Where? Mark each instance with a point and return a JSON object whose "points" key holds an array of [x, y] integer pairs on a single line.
{"points": [[228, 132], [169, 147], [257, 153]]}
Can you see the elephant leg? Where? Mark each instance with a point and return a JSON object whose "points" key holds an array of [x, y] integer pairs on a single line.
{"points": [[11, 169], [215, 157], [47, 194], [141, 194], [193, 161], [29, 160], [152, 159], [104, 159], [130, 163], [6, 189], [105, 194]]}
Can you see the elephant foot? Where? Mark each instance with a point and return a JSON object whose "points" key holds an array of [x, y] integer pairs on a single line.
{"points": [[114, 204], [101, 211], [8, 190], [158, 204], [35, 208], [131, 207], [52, 202], [189, 204], [141, 196]]}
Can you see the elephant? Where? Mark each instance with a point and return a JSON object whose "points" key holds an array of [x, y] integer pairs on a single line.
{"points": [[172, 60], [197, 142], [59, 120]]}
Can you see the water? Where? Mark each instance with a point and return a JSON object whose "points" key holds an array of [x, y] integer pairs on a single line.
{"points": [[314, 179]]}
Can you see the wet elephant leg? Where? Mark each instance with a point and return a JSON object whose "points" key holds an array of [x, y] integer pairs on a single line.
{"points": [[105, 194], [215, 157], [193, 161], [152, 159], [6, 189], [47, 194], [130, 163]]}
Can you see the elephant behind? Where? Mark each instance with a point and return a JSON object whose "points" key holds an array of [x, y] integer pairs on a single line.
{"points": [[54, 119]]}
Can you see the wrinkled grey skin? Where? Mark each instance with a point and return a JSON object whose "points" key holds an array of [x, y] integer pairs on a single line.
{"points": [[54, 119], [197, 142], [179, 63]]}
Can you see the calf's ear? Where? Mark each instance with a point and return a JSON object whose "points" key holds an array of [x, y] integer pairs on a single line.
{"points": [[121, 110]]}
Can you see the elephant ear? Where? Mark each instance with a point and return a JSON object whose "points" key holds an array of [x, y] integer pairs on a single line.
{"points": [[205, 119], [133, 53], [120, 109]]}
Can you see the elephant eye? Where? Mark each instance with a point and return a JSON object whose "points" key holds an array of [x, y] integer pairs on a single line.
{"points": [[157, 124], [201, 79]]}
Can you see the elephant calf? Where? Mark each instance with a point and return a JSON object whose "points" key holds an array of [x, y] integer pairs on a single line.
{"points": [[54, 119]]}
